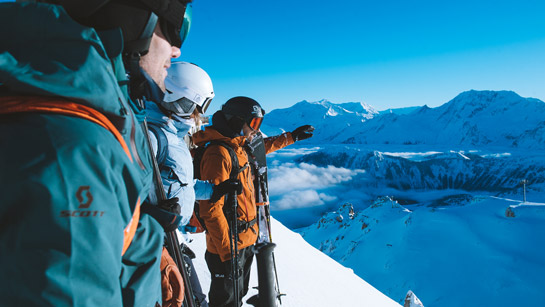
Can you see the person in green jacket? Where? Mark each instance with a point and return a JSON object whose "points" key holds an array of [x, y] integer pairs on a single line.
{"points": [[74, 163]]}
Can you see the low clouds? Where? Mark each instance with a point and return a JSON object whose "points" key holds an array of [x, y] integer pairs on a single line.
{"points": [[302, 199], [303, 185]]}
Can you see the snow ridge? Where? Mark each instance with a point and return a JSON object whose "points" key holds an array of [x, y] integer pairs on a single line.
{"points": [[321, 114], [481, 251]]}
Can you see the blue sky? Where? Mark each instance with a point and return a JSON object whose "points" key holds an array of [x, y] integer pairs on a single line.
{"points": [[388, 54]]}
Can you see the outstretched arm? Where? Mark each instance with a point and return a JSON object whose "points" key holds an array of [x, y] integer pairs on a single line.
{"points": [[287, 138]]}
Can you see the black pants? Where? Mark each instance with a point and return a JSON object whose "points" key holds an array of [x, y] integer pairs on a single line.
{"points": [[221, 288]]}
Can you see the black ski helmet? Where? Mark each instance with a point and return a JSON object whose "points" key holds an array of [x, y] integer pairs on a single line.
{"points": [[136, 18], [246, 109]]}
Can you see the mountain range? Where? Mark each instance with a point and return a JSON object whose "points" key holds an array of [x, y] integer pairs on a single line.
{"points": [[454, 227], [323, 115], [471, 119]]}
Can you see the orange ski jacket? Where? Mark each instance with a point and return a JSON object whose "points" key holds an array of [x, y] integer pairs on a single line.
{"points": [[216, 167]]}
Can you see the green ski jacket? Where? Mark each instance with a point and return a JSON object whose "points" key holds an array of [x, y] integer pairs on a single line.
{"points": [[71, 232]]}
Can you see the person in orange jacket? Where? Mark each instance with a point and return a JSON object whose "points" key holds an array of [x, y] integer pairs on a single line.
{"points": [[235, 124]]}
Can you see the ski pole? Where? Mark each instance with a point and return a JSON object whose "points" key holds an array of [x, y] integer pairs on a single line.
{"points": [[231, 216], [268, 216], [173, 246], [235, 256]]}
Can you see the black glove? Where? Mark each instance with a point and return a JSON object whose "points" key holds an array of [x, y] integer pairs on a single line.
{"points": [[167, 213], [228, 186], [302, 133], [171, 205]]}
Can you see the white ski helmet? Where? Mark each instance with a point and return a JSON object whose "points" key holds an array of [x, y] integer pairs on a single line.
{"points": [[188, 87]]}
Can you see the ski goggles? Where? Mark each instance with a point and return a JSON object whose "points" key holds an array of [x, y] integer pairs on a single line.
{"points": [[255, 123], [202, 108], [174, 35], [185, 107]]}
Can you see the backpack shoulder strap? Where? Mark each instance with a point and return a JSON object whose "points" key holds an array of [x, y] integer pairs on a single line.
{"points": [[199, 152], [162, 143], [235, 168], [29, 104]]}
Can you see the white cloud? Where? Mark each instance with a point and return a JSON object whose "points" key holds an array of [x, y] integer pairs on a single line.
{"points": [[302, 199], [295, 186], [290, 176]]}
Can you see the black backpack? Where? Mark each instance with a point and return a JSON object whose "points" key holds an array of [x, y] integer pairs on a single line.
{"points": [[199, 152]]}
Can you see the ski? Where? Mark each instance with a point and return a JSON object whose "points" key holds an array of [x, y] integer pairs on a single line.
{"points": [[269, 289]]}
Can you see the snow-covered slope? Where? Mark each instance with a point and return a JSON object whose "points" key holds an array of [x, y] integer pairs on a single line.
{"points": [[323, 115], [465, 254], [307, 276]]}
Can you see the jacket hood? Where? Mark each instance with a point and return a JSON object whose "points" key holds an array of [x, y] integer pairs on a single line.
{"points": [[62, 59], [154, 114], [200, 138], [176, 125], [222, 125]]}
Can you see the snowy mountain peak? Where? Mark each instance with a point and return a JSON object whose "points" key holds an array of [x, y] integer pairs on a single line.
{"points": [[327, 117], [474, 97], [470, 119], [360, 108], [475, 103]]}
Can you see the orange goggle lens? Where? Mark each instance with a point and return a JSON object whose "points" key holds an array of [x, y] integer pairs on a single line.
{"points": [[256, 123]]}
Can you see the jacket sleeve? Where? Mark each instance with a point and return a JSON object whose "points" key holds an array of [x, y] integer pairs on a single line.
{"points": [[277, 142], [216, 167], [77, 202], [140, 274]]}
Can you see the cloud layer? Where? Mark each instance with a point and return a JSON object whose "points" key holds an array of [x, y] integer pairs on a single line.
{"points": [[303, 185]]}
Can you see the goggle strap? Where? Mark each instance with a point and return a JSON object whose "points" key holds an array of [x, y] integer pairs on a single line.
{"points": [[150, 26], [140, 47]]}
